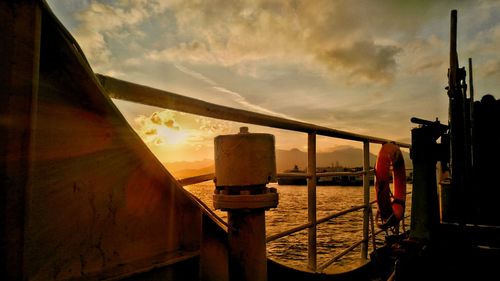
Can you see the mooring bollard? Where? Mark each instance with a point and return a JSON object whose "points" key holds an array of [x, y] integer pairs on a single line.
{"points": [[244, 164]]}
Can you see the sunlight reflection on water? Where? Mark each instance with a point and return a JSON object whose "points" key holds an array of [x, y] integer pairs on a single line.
{"points": [[332, 237]]}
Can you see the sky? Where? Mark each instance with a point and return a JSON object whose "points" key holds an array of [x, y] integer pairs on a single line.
{"points": [[360, 66]]}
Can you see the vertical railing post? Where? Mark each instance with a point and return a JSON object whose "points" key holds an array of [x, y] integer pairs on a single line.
{"points": [[311, 199], [366, 197]]}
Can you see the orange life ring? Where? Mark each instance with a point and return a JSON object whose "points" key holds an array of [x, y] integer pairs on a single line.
{"points": [[391, 208]]}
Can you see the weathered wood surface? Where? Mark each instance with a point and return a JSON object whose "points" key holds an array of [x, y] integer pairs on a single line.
{"points": [[82, 195]]}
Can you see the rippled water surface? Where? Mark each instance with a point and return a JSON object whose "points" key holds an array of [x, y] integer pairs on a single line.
{"points": [[332, 237]]}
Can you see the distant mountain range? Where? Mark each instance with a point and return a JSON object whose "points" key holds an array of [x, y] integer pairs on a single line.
{"points": [[346, 156], [186, 169]]}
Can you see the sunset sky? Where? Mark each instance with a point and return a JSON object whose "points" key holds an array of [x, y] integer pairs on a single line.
{"points": [[360, 66]]}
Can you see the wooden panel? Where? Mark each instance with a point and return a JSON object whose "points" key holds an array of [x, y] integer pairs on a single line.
{"points": [[99, 201], [19, 50]]}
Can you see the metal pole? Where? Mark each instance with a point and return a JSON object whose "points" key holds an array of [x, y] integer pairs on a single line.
{"points": [[471, 82], [457, 140], [471, 110], [247, 245], [424, 203], [472, 143], [372, 227], [311, 199], [453, 50], [366, 196]]}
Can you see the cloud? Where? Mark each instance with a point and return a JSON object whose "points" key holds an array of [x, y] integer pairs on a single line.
{"points": [[424, 56], [193, 52], [309, 33], [344, 39], [486, 41], [492, 68], [234, 96], [364, 59], [212, 127], [195, 74], [160, 128], [252, 107], [336, 36], [482, 43], [300, 58], [101, 23]]}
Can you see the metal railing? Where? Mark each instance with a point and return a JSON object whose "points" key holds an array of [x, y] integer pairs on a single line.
{"points": [[128, 91]]}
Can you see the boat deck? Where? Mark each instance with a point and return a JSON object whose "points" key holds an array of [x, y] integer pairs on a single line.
{"points": [[460, 253]]}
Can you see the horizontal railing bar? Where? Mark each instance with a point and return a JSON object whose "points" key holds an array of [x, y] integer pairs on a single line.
{"points": [[307, 225], [345, 252], [378, 232], [293, 175], [124, 90], [288, 232], [341, 213], [330, 174], [196, 179], [341, 254]]}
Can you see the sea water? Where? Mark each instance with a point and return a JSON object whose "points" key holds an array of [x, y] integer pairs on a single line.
{"points": [[333, 236]]}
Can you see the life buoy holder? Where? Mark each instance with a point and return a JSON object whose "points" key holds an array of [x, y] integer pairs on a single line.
{"points": [[391, 206]]}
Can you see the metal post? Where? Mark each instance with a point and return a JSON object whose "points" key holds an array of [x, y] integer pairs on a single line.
{"points": [[366, 197], [472, 144], [471, 82], [457, 127], [247, 245], [311, 199], [372, 228], [471, 113], [424, 205]]}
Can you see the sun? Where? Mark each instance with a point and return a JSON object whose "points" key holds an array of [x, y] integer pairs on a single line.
{"points": [[161, 128], [170, 136], [159, 134]]}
